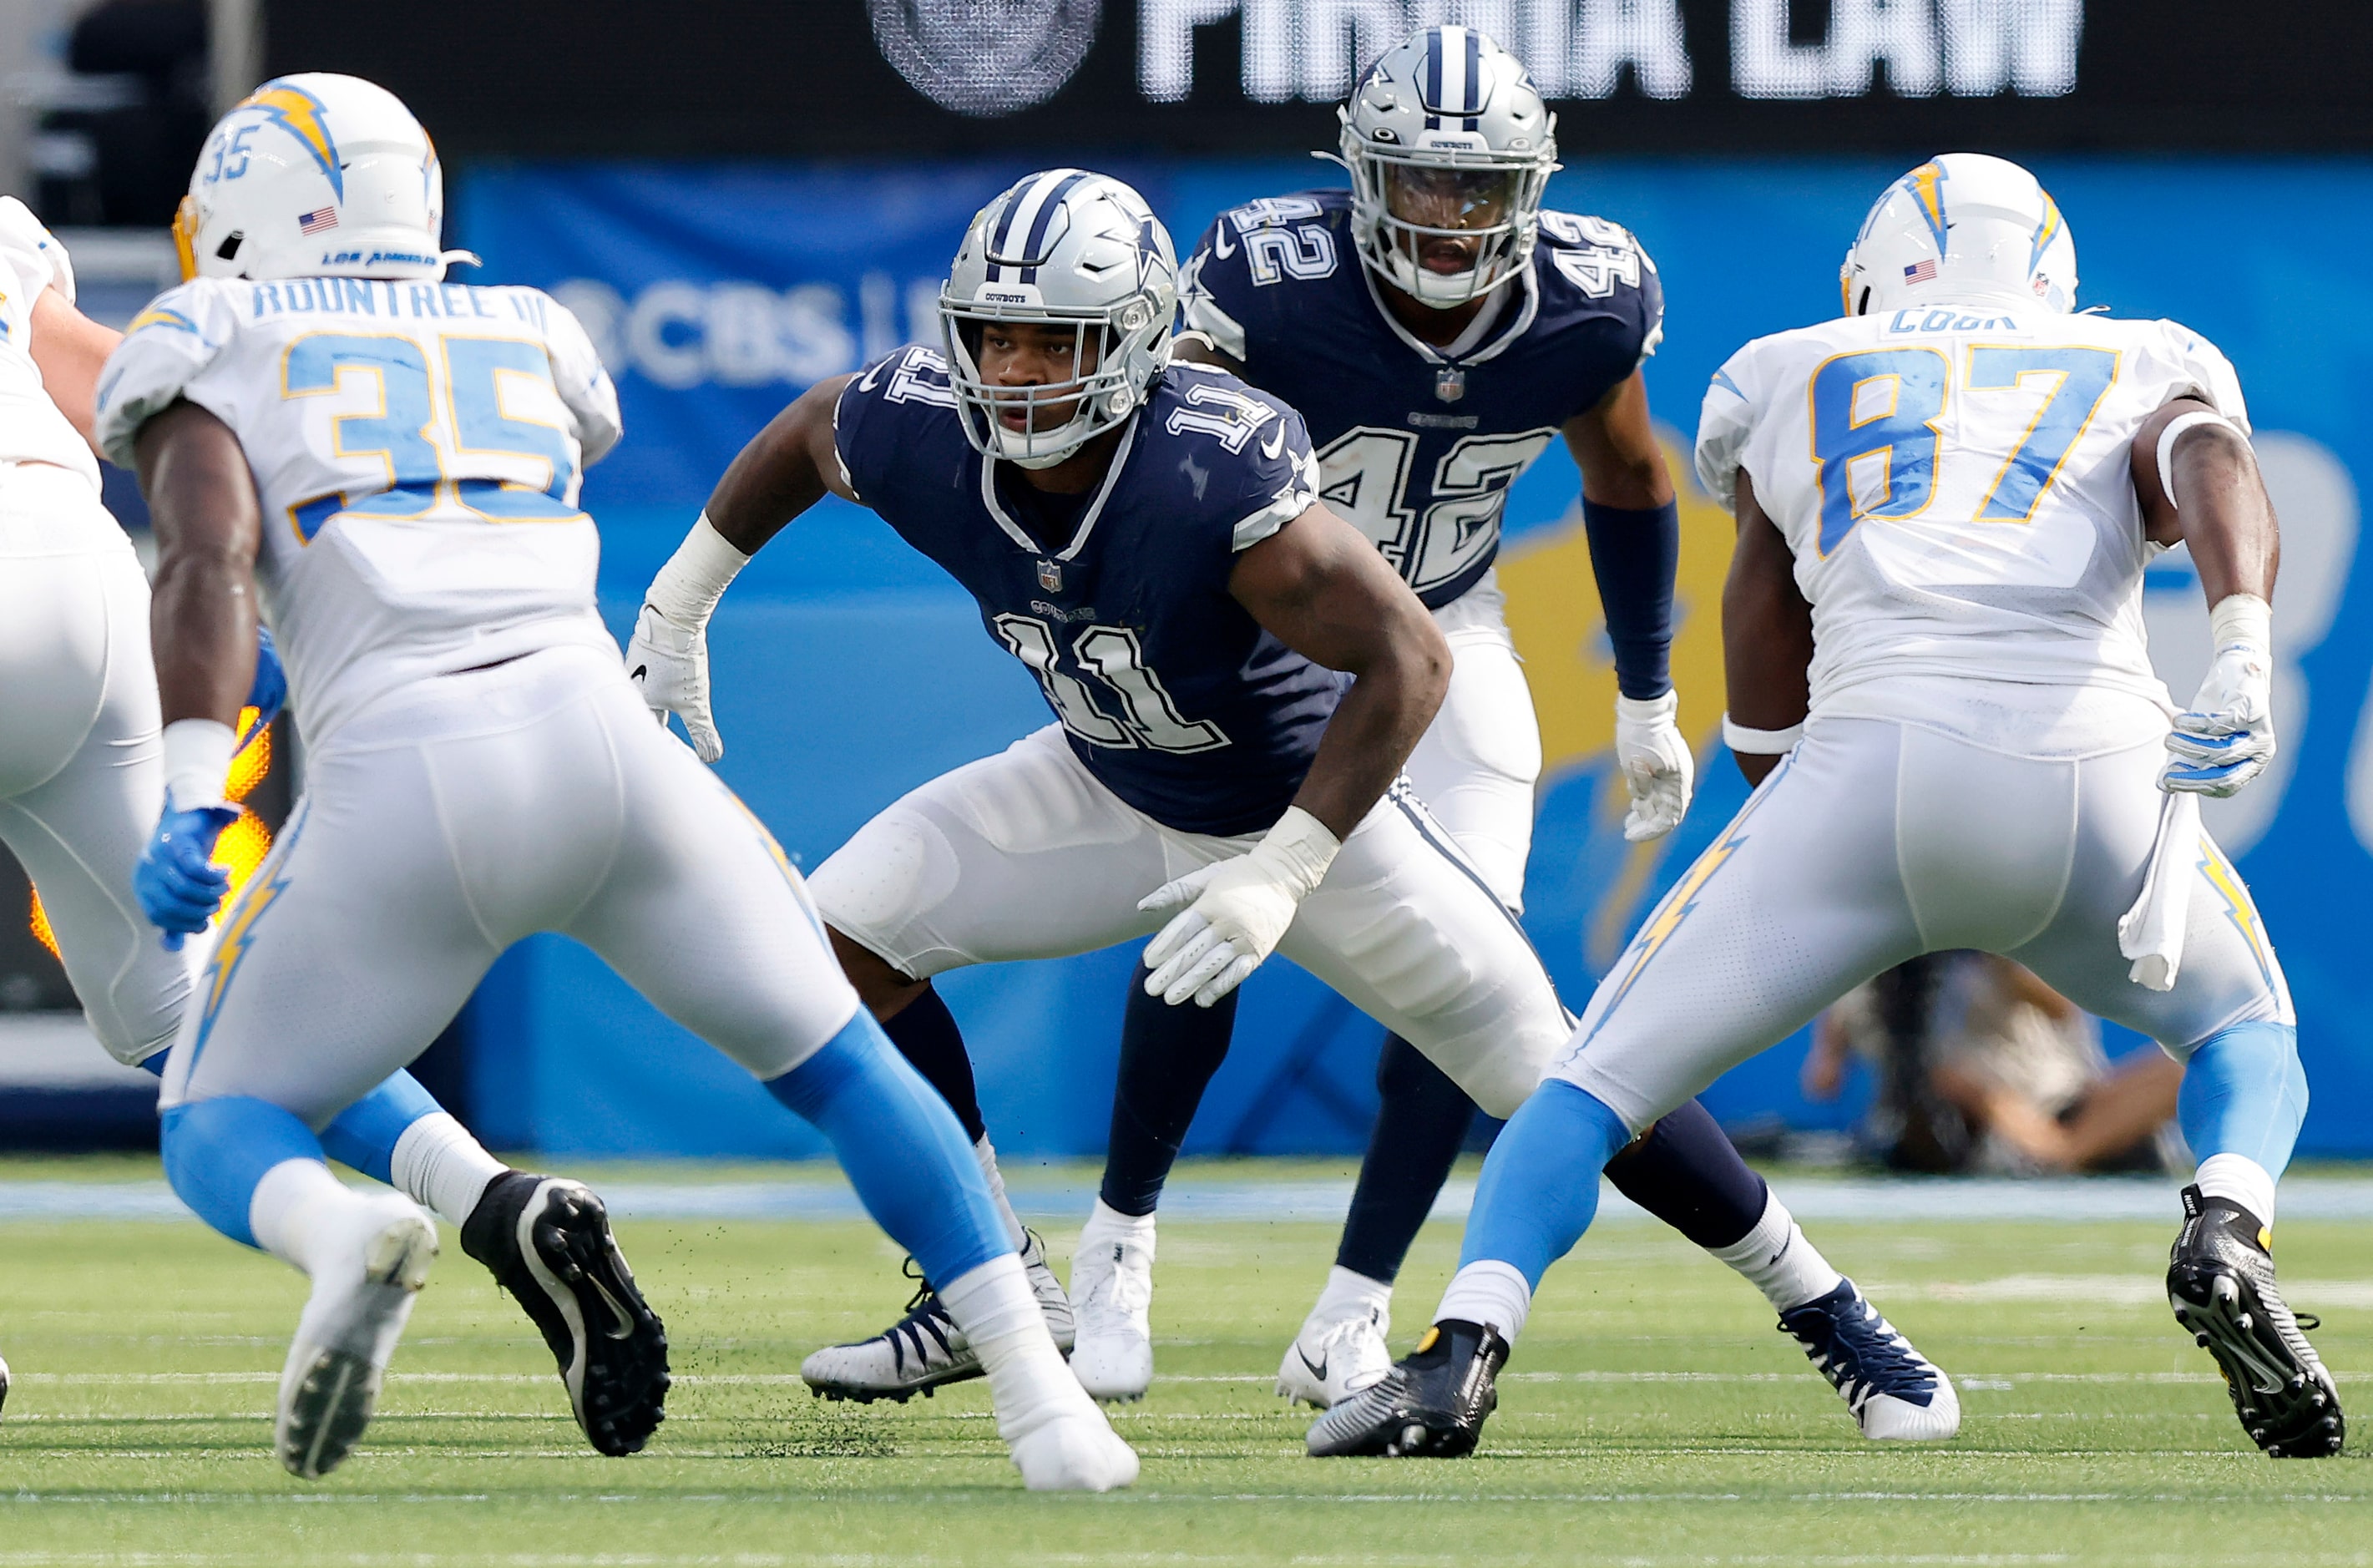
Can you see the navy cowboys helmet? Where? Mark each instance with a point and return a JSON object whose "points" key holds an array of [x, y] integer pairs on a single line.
{"points": [[1450, 149], [1061, 249]]}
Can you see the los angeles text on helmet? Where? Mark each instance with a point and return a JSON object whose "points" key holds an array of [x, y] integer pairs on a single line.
{"points": [[1586, 49]]}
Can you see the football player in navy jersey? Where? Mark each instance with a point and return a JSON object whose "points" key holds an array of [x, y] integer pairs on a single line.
{"points": [[1438, 331], [1235, 674]]}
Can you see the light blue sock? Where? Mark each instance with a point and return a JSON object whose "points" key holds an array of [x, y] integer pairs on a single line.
{"points": [[216, 1151], [904, 1151], [2244, 1093], [1539, 1188], [364, 1134]]}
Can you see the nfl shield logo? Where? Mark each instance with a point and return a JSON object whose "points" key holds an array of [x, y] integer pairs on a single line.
{"points": [[1050, 576], [1450, 383]]}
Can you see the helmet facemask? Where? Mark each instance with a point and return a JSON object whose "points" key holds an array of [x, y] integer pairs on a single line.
{"points": [[1037, 424]]}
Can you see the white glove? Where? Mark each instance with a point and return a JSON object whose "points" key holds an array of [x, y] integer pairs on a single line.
{"points": [[669, 666], [1231, 913], [668, 659], [1658, 767], [2227, 736]]}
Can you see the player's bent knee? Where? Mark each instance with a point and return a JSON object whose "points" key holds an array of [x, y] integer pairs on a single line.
{"points": [[879, 984]]}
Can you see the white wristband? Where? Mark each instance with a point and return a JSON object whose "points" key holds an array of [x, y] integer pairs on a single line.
{"points": [[688, 587], [2177, 426], [2241, 619], [197, 762], [1300, 848], [1761, 742]]}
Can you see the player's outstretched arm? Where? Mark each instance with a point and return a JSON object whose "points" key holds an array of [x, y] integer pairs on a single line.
{"points": [[1634, 526], [2198, 482], [209, 526], [1321, 589], [786, 468], [70, 349], [1767, 641]]}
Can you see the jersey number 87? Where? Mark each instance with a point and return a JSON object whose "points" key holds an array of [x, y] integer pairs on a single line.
{"points": [[1875, 427]]}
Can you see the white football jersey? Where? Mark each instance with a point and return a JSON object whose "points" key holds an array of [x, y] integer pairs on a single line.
{"points": [[1956, 485], [417, 447], [32, 428]]}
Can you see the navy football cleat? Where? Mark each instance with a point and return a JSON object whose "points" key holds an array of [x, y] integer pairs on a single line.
{"points": [[1432, 1405], [547, 1241], [1893, 1390], [2220, 1281]]}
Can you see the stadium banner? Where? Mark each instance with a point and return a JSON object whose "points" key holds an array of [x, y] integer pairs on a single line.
{"points": [[848, 670], [722, 79]]}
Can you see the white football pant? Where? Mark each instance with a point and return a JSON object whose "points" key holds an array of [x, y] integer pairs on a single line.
{"points": [[1476, 764], [1875, 841], [82, 779], [455, 816], [1026, 855]]}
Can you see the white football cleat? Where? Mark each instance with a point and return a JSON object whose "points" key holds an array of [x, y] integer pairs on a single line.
{"points": [[1894, 1393], [1333, 1358], [1111, 1298], [1074, 1453], [358, 1310], [3, 1382]]}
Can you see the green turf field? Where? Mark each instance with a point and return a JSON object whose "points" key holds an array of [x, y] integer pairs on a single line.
{"points": [[1652, 1416]]}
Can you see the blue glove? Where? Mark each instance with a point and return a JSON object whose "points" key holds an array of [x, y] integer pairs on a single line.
{"points": [[178, 885], [269, 695]]}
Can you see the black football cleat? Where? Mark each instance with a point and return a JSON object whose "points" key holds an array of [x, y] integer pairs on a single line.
{"points": [[2220, 1281], [547, 1241], [1432, 1405]]}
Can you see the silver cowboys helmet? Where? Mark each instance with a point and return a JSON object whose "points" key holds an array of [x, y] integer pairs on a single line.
{"points": [[1447, 140], [1064, 250]]}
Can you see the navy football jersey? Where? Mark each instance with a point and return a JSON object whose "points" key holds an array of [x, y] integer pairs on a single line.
{"points": [[1171, 692], [1418, 445]]}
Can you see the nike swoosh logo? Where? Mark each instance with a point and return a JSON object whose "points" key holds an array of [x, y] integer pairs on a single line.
{"points": [[641, 671], [1274, 445], [1220, 246], [624, 1319], [1317, 1368]]}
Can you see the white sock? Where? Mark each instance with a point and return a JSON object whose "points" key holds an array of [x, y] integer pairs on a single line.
{"points": [[1108, 1223], [1350, 1294], [439, 1163], [2237, 1179], [1028, 1381], [1489, 1292], [1779, 1261], [297, 1206], [986, 1152]]}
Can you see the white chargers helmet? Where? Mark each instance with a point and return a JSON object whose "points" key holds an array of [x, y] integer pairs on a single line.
{"points": [[1065, 249], [1962, 226], [1447, 140], [315, 175]]}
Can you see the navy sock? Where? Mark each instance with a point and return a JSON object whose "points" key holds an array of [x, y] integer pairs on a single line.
{"points": [[924, 1033], [1687, 1174], [1419, 1128], [901, 1148], [1167, 1056], [364, 1135]]}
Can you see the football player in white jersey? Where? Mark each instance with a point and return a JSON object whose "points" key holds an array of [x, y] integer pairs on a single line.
{"points": [[82, 782], [1937, 679], [396, 461]]}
